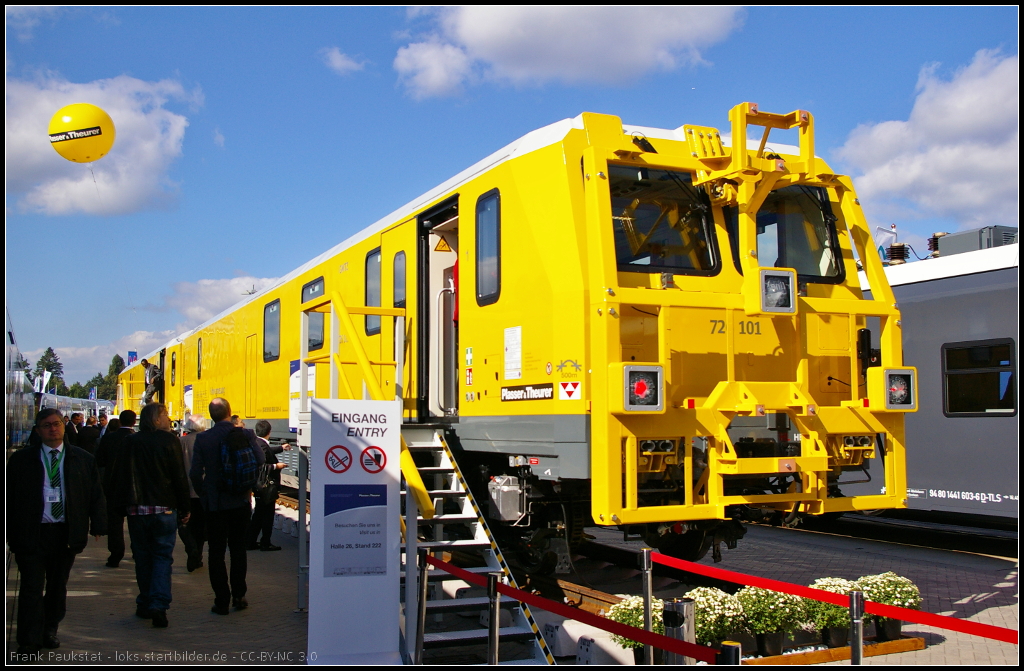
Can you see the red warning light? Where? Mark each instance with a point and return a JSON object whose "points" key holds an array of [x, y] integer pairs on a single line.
{"points": [[640, 388]]}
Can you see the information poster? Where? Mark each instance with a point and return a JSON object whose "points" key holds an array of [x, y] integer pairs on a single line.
{"points": [[355, 532]]}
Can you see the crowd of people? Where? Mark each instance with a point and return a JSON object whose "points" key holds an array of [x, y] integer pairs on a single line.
{"points": [[78, 478]]}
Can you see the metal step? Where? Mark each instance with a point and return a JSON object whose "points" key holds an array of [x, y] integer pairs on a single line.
{"points": [[468, 603], [437, 575], [444, 545], [474, 637], [435, 470], [441, 493], [449, 519]]}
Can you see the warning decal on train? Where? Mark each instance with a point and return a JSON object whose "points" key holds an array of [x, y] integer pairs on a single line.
{"points": [[569, 391], [528, 392]]}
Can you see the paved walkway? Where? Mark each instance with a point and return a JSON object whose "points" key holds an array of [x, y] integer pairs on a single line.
{"points": [[101, 626], [974, 587]]}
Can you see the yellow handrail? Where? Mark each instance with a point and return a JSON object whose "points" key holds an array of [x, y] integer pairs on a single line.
{"points": [[413, 480]]}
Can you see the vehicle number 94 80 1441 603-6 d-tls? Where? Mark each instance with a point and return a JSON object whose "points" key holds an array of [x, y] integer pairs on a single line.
{"points": [[746, 327]]}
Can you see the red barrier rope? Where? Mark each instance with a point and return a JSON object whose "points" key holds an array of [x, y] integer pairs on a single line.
{"points": [[880, 609], [703, 653]]}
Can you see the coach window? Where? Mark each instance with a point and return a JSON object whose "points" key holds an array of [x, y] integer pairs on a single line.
{"points": [[399, 280], [488, 248], [312, 290], [272, 331], [979, 378], [199, 360], [174, 367], [373, 290]]}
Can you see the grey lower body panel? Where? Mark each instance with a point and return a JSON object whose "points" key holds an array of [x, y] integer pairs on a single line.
{"points": [[560, 443]]}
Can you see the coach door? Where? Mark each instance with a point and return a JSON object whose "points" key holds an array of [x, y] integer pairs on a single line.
{"points": [[251, 353], [438, 317]]}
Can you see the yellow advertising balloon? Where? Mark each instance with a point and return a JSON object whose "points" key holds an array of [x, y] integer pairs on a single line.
{"points": [[81, 132]]}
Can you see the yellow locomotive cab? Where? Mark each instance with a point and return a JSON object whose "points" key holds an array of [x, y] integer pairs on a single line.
{"points": [[657, 329]]}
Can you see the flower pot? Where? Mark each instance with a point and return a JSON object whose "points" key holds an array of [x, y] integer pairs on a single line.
{"points": [[770, 645], [638, 656], [835, 637], [888, 629]]}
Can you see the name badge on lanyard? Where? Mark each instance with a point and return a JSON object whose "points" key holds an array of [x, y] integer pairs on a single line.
{"points": [[52, 495]]}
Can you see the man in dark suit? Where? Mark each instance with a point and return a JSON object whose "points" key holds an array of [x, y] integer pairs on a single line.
{"points": [[88, 436], [263, 513], [108, 453], [227, 515], [53, 493]]}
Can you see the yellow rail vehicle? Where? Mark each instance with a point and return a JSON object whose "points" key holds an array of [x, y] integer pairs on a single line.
{"points": [[655, 329]]}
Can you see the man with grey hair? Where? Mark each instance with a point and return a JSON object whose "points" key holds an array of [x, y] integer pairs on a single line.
{"points": [[193, 535]]}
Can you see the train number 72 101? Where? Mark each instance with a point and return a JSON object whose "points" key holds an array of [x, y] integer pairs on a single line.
{"points": [[746, 328]]}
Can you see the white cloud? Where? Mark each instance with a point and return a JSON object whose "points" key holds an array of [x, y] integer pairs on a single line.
{"points": [[199, 301], [81, 363], [432, 68], [532, 45], [196, 302], [339, 62], [24, 19], [218, 137], [955, 157], [132, 177]]}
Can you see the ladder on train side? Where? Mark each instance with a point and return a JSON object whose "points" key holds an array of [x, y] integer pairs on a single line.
{"points": [[459, 527]]}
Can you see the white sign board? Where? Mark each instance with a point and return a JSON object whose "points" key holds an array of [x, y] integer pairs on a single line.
{"points": [[354, 532]]}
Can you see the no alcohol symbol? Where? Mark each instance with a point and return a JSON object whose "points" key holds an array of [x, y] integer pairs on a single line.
{"points": [[373, 460], [338, 459]]}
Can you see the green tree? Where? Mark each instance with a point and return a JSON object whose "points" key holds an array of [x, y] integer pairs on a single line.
{"points": [[77, 390], [49, 361], [108, 388]]}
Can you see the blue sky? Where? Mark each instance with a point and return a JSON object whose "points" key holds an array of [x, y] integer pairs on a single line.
{"points": [[250, 140]]}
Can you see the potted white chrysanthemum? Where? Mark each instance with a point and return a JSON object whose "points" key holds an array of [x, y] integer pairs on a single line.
{"points": [[770, 615], [716, 614], [892, 590], [631, 611], [832, 621]]}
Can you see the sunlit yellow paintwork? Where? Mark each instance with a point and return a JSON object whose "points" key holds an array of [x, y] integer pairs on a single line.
{"points": [[560, 283]]}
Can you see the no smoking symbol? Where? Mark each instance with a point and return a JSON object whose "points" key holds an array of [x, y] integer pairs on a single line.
{"points": [[338, 459], [373, 460]]}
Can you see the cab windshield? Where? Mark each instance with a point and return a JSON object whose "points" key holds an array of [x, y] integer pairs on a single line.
{"points": [[795, 229], [661, 222]]}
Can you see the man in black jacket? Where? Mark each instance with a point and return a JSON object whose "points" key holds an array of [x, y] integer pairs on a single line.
{"points": [[53, 493], [263, 512], [150, 482], [227, 515], [108, 453]]}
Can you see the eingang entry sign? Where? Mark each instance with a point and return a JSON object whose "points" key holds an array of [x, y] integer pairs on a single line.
{"points": [[354, 532]]}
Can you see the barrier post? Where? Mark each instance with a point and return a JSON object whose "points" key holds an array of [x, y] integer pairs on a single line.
{"points": [[730, 653], [303, 573], [421, 605], [679, 624], [647, 568], [856, 627], [494, 621]]}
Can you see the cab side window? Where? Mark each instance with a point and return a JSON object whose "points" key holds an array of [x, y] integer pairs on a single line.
{"points": [[488, 248]]}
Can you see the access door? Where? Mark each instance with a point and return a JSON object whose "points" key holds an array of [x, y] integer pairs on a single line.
{"points": [[438, 313]]}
